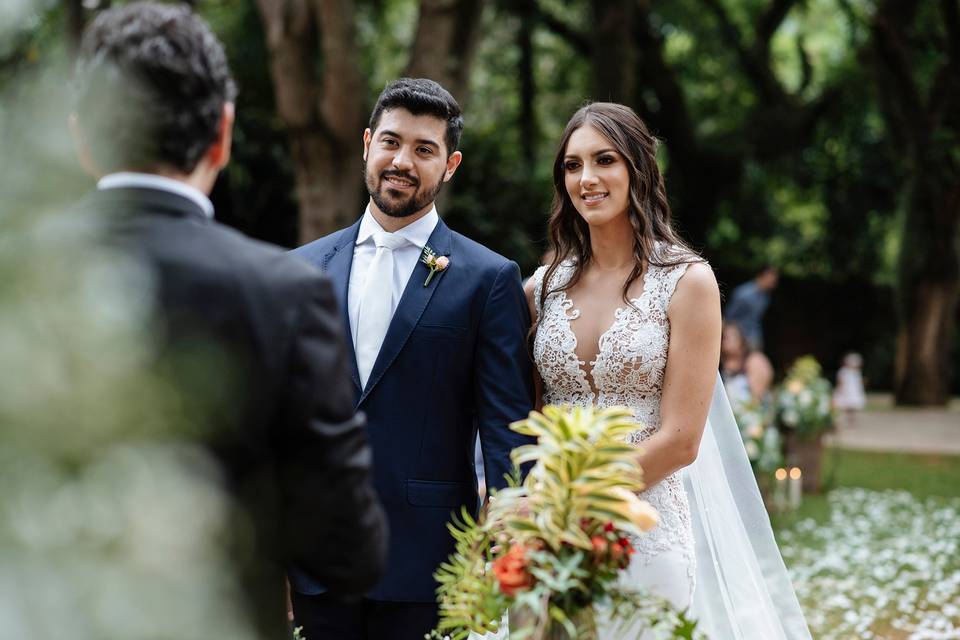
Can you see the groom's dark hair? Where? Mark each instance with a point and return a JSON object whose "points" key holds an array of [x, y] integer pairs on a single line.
{"points": [[421, 97], [150, 83]]}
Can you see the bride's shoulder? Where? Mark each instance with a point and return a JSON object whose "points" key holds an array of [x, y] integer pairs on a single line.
{"points": [[696, 287], [675, 255]]}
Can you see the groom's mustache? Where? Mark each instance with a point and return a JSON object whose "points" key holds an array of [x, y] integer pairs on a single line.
{"points": [[400, 174]]}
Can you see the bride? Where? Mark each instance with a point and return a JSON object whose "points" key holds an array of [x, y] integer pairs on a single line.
{"points": [[626, 314]]}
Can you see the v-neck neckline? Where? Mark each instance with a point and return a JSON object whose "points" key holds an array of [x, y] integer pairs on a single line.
{"points": [[567, 304]]}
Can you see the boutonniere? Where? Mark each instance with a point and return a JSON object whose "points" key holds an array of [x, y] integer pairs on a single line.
{"points": [[434, 262]]}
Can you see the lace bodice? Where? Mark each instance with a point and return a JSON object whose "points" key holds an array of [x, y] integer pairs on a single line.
{"points": [[628, 371]]}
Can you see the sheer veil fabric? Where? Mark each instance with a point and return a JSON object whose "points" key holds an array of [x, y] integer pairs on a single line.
{"points": [[742, 591]]}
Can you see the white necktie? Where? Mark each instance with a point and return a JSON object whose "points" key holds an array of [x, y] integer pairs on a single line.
{"points": [[376, 304]]}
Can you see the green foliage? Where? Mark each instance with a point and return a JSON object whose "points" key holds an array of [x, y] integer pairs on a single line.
{"points": [[760, 438], [583, 467], [468, 599]]}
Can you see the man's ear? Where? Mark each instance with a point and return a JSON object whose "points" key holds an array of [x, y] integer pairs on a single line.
{"points": [[82, 148], [219, 153], [452, 163], [367, 136]]}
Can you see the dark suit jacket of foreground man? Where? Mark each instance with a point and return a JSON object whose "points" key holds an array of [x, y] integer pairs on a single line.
{"points": [[285, 433], [453, 363]]}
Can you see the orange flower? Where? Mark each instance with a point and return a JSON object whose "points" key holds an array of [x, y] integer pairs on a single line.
{"points": [[620, 552], [616, 551], [599, 545], [511, 571]]}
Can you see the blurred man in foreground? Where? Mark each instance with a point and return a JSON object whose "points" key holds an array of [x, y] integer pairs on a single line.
{"points": [[249, 336]]}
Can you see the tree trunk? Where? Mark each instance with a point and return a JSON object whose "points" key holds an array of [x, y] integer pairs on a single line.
{"points": [[929, 289], [922, 126], [325, 118], [444, 43], [614, 58], [528, 89]]}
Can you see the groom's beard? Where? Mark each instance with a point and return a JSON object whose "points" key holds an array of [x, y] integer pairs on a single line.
{"points": [[391, 202]]}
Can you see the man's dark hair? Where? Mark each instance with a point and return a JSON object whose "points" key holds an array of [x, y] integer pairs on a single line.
{"points": [[150, 84], [421, 97]]}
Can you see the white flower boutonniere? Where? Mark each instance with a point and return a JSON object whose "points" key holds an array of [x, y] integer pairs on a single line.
{"points": [[434, 262]]}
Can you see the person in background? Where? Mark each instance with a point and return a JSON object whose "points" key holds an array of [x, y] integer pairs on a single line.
{"points": [[747, 374], [849, 396], [749, 302]]}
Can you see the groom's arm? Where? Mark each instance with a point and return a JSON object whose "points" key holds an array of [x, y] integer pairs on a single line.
{"points": [[504, 386], [333, 525]]}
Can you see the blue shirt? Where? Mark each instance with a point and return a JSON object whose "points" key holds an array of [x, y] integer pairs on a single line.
{"points": [[746, 308]]}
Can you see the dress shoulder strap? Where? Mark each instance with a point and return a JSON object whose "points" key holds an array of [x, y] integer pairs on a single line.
{"points": [[537, 279], [664, 280]]}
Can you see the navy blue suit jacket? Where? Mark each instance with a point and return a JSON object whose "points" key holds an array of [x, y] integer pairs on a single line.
{"points": [[454, 361]]}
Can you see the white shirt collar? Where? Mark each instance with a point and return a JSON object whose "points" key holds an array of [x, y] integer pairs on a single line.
{"points": [[417, 233], [127, 179]]}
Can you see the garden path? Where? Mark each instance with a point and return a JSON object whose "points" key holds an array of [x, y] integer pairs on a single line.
{"points": [[883, 427]]}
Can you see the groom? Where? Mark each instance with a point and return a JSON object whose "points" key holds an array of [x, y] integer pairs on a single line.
{"points": [[437, 327]]}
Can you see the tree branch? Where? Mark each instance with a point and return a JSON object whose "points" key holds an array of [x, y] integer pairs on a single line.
{"points": [[945, 91], [754, 63], [769, 21], [853, 21], [896, 81], [806, 69], [528, 87], [672, 119], [576, 39], [951, 22]]}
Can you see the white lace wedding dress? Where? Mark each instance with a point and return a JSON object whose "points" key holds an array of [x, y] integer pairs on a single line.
{"points": [[628, 371]]}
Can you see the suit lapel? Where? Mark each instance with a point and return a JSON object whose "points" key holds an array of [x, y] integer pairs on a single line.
{"points": [[337, 265], [412, 304]]}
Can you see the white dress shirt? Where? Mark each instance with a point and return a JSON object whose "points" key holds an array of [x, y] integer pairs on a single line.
{"points": [[405, 260], [128, 179]]}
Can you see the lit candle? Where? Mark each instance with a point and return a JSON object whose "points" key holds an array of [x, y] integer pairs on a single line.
{"points": [[795, 487], [780, 490]]}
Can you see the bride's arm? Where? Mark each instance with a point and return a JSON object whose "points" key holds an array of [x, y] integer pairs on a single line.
{"points": [[537, 382], [691, 372]]}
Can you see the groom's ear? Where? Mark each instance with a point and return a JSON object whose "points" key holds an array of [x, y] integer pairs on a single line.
{"points": [[219, 152], [367, 136], [82, 148], [452, 163]]}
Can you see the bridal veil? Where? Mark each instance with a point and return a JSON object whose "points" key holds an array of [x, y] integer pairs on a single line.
{"points": [[743, 591]]}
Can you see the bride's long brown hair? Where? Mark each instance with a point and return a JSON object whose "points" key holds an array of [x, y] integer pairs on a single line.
{"points": [[648, 209]]}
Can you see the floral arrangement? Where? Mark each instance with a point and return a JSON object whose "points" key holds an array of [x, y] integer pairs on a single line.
{"points": [[550, 551], [760, 439], [803, 401]]}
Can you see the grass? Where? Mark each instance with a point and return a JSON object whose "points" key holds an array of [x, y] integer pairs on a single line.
{"points": [[923, 476], [876, 556]]}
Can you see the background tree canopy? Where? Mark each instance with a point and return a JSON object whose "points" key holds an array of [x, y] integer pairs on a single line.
{"points": [[822, 136]]}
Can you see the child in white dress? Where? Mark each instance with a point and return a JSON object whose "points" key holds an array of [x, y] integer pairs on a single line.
{"points": [[849, 396]]}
